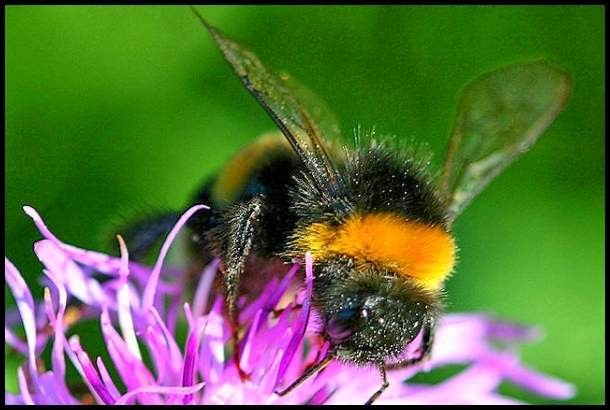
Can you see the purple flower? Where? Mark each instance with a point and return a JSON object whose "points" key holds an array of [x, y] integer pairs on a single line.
{"points": [[139, 309]]}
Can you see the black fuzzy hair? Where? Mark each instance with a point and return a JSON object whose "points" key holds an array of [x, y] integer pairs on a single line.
{"points": [[341, 269], [383, 176], [403, 305], [380, 176]]}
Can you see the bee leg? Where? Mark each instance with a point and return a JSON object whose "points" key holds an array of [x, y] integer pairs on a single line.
{"points": [[308, 373], [384, 385], [426, 348], [241, 224]]}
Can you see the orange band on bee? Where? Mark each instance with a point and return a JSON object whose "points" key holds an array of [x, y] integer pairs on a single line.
{"points": [[415, 250]]}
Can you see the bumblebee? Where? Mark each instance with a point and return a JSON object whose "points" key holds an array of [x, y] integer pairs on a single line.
{"points": [[376, 222]]}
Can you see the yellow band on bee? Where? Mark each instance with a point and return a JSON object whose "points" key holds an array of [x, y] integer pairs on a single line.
{"points": [[413, 249], [234, 177]]}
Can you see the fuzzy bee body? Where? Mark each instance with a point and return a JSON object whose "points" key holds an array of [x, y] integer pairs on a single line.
{"points": [[376, 223], [389, 241], [262, 171]]}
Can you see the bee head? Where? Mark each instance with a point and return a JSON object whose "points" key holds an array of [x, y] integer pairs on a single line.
{"points": [[371, 316]]}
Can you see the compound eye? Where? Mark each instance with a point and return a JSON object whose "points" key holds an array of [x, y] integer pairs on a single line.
{"points": [[340, 326], [346, 314]]}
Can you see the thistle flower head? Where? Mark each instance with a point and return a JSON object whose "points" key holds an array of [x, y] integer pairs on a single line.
{"points": [[139, 310]]}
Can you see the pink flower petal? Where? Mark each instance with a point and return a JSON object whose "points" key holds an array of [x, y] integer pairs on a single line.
{"points": [[13, 399], [114, 392], [23, 387], [275, 297], [151, 287], [531, 380], [301, 323], [200, 300], [132, 371], [56, 321], [124, 399], [15, 342], [98, 261], [191, 351], [320, 396], [53, 386], [91, 373], [144, 304], [247, 349], [166, 370], [167, 349], [211, 363], [247, 313], [123, 305], [25, 304], [70, 274]]}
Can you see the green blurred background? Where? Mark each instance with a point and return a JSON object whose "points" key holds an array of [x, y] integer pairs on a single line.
{"points": [[116, 109]]}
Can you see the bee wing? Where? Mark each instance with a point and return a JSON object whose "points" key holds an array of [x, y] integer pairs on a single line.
{"points": [[500, 115], [322, 116], [280, 101]]}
